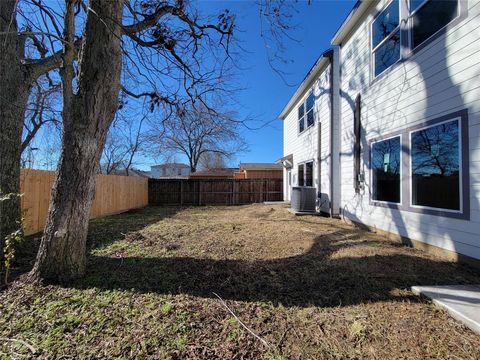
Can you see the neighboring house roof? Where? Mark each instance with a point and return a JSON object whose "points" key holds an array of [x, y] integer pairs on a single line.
{"points": [[132, 172], [352, 20], [171, 165], [260, 166], [214, 173], [307, 82], [171, 177]]}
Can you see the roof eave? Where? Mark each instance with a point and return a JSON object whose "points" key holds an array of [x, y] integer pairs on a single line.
{"points": [[351, 21], [319, 65]]}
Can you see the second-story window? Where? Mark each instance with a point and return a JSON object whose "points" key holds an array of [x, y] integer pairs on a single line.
{"points": [[428, 17], [423, 20], [309, 109], [301, 118], [305, 113], [386, 38]]}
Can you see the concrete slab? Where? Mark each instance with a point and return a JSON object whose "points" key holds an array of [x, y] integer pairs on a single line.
{"points": [[276, 202], [302, 213], [462, 302]]}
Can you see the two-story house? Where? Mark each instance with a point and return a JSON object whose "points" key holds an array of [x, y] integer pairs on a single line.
{"points": [[401, 151], [170, 170]]}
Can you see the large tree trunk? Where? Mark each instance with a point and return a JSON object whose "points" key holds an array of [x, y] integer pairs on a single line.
{"points": [[87, 116], [14, 90]]}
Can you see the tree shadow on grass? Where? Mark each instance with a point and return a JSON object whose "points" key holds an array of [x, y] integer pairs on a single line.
{"points": [[102, 232], [317, 277]]}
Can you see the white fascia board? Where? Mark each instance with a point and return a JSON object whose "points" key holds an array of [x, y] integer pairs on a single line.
{"points": [[352, 20]]}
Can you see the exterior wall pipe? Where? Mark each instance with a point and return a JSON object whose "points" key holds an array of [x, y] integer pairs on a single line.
{"points": [[333, 56]]}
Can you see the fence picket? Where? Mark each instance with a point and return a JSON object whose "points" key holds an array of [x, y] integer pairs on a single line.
{"points": [[114, 194], [213, 192]]}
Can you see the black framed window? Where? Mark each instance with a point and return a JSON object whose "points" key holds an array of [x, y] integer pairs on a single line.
{"points": [[305, 174], [301, 118], [301, 175], [306, 116], [386, 168], [436, 166], [428, 17], [386, 38], [309, 173], [309, 109]]}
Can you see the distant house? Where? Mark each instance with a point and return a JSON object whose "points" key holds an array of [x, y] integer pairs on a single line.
{"points": [[170, 170], [259, 171], [212, 174]]}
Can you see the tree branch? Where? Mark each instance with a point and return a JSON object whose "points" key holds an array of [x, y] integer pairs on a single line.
{"points": [[38, 67]]}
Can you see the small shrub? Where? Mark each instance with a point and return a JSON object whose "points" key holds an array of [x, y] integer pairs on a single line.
{"points": [[10, 242]]}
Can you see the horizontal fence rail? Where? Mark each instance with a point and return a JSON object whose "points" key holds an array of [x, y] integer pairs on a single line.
{"points": [[114, 194], [213, 192]]}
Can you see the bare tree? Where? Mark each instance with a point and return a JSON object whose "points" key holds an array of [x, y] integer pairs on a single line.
{"points": [[24, 57], [90, 100], [197, 131], [87, 113], [125, 140], [41, 110], [213, 161], [162, 42], [113, 154]]}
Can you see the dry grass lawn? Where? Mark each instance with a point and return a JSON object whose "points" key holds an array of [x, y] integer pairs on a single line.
{"points": [[310, 287]]}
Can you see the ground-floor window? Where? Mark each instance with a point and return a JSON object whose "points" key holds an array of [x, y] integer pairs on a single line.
{"points": [[309, 173], [435, 170], [427, 164], [386, 168], [301, 175], [305, 174]]}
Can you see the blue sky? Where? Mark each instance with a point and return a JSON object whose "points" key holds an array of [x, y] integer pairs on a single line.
{"points": [[265, 91]]}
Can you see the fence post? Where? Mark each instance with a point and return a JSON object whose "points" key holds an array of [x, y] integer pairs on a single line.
{"points": [[181, 192], [200, 193], [233, 191]]}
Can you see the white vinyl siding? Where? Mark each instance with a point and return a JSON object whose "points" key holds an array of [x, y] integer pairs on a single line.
{"points": [[304, 146], [439, 79]]}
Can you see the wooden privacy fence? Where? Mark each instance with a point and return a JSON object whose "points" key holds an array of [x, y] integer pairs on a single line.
{"points": [[213, 192], [114, 194]]}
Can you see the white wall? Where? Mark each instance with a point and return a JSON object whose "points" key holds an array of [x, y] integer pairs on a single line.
{"points": [[441, 78], [159, 172], [304, 146]]}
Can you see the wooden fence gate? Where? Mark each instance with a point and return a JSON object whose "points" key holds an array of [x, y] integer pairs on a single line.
{"points": [[213, 192]]}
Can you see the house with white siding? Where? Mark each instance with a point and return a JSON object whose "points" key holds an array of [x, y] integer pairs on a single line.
{"points": [[170, 170], [395, 144], [310, 125]]}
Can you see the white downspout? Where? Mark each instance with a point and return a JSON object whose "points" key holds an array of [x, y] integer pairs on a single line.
{"points": [[335, 181], [318, 167]]}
